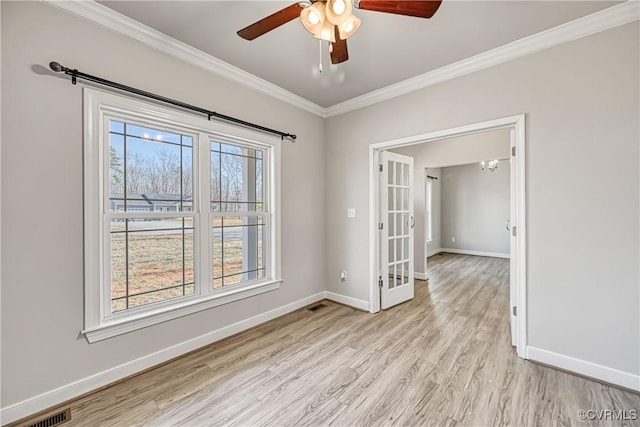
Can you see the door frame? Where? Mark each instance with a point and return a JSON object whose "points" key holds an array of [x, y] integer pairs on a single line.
{"points": [[517, 123]]}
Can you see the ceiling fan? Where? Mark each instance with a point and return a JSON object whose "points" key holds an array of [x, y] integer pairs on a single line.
{"points": [[333, 21]]}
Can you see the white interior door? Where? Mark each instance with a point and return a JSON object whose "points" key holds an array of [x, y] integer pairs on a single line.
{"points": [[512, 245], [397, 234]]}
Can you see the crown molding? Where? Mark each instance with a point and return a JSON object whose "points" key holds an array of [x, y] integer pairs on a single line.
{"points": [[605, 19], [115, 21]]}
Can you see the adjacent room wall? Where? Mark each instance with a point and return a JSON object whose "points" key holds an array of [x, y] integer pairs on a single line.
{"points": [[475, 207], [42, 208], [581, 101], [446, 152], [436, 217]]}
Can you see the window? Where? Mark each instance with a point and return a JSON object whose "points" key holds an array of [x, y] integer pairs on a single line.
{"points": [[427, 210], [181, 214], [239, 220]]}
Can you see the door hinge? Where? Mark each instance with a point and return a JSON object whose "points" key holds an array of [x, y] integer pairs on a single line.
{"points": [[514, 310], [380, 226], [513, 231], [379, 281], [513, 151], [379, 168]]}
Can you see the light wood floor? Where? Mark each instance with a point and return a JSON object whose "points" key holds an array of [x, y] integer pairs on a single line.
{"points": [[443, 359]]}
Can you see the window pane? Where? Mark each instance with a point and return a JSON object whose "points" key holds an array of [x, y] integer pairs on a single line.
{"points": [[260, 251], [215, 181], [116, 170], [237, 178], [118, 260], [392, 276], [405, 273], [153, 171], [405, 240], [151, 261], [392, 253], [187, 180], [155, 296], [149, 170], [405, 174], [117, 127], [152, 134], [217, 252], [238, 250], [259, 189]]}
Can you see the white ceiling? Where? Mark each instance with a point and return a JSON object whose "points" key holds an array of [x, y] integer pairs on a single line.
{"points": [[386, 49]]}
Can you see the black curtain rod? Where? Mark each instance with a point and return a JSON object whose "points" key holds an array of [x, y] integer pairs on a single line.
{"points": [[75, 74], [432, 177]]}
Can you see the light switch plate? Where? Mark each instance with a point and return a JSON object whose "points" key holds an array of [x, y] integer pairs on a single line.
{"points": [[351, 213]]}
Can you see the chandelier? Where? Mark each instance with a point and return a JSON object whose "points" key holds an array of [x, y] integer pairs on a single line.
{"points": [[490, 165], [322, 19]]}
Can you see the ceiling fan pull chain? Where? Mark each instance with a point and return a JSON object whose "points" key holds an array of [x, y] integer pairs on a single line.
{"points": [[320, 57]]}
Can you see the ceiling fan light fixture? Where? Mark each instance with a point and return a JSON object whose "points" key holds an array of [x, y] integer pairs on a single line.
{"points": [[313, 17], [326, 32], [349, 27], [338, 11]]}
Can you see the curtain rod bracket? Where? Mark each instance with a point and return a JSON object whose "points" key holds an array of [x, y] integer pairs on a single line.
{"points": [[75, 75]]}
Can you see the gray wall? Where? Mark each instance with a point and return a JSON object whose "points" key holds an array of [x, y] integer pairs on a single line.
{"points": [[440, 153], [42, 253], [475, 206], [582, 106]]}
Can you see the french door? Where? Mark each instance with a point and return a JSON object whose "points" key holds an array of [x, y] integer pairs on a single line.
{"points": [[397, 233]]}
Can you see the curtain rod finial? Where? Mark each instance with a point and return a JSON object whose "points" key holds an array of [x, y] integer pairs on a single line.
{"points": [[55, 66]]}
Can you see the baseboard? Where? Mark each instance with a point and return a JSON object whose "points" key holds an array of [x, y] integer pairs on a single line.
{"points": [[584, 368], [420, 276], [434, 252], [476, 253], [70, 391], [360, 304]]}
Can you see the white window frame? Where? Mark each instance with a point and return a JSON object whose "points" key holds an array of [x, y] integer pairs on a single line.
{"points": [[428, 207], [99, 106]]}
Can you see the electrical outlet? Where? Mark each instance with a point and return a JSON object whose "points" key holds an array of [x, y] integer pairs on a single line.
{"points": [[343, 276], [453, 239], [351, 213]]}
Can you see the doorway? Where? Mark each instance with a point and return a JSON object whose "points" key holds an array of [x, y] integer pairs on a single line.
{"points": [[378, 242]]}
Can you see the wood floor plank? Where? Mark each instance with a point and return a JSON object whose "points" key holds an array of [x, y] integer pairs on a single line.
{"points": [[443, 359]]}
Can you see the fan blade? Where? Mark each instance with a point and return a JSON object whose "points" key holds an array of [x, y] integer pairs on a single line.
{"points": [[270, 22], [339, 51], [418, 8]]}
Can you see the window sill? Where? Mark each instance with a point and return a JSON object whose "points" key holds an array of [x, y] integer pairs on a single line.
{"points": [[121, 326]]}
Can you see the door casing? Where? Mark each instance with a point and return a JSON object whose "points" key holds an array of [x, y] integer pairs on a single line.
{"points": [[517, 124]]}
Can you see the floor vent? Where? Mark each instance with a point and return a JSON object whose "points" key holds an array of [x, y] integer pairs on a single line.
{"points": [[316, 307], [54, 419]]}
